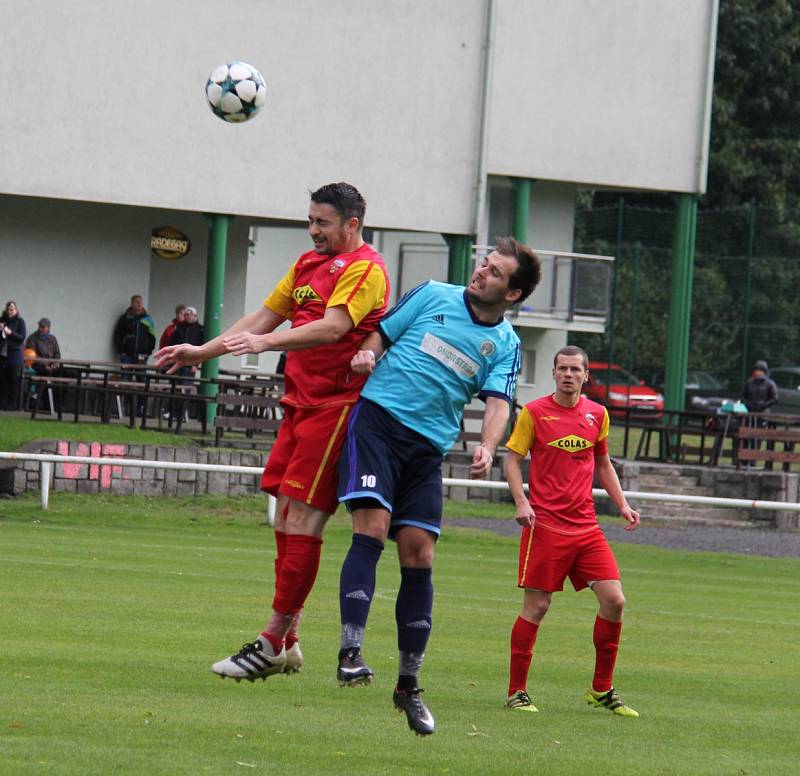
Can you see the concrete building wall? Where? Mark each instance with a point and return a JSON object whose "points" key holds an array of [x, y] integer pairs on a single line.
{"points": [[127, 121], [615, 93], [79, 263], [112, 107]]}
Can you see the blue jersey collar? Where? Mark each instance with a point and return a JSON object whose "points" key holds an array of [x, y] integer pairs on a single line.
{"points": [[475, 319]]}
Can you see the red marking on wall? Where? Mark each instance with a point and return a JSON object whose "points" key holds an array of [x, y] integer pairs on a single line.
{"points": [[73, 471], [111, 451], [94, 469], [102, 472]]}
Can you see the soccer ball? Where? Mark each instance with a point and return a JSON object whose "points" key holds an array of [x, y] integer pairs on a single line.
{"points": [[236, 92]]}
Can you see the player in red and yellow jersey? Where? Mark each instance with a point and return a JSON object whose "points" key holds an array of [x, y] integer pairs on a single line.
{"points": [[334, 296], [566, 435]]}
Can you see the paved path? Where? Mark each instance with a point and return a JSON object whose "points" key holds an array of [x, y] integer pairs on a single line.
{"points": [[747, 541]]}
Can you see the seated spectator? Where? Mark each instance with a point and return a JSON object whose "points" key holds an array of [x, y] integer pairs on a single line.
{"points": [[46, 346], [133, 335], [164, 341], [12, 337], [189, 331]]}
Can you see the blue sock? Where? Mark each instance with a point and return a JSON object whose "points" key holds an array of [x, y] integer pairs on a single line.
{"points": [[413, 610], [357, 586]]}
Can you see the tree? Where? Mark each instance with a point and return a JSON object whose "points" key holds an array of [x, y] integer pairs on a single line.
{"points": [[755, 151]]}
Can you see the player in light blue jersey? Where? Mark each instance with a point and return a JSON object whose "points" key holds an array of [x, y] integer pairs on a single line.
{"points": [[437, 349]]}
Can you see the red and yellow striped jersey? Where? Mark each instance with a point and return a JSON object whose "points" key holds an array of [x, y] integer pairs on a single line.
{"points": [[563, 443], [321, 376]]}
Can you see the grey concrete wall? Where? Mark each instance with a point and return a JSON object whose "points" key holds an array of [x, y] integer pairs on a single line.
{"points": [[140, 481]]}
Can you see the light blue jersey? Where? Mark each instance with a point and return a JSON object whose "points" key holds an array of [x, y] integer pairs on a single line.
{"points": [[440, 357]]}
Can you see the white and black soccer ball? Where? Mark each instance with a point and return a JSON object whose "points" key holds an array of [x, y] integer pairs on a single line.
{"points": [[236, 92]]}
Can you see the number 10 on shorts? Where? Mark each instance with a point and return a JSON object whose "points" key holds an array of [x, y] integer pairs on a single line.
{"points": [[368, 481]]}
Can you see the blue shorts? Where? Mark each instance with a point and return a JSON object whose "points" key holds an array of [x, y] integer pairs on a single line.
{"points": [[385, 464]]}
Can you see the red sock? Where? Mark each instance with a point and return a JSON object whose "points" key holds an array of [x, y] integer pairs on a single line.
{"points": [[297, 573], [291, 637], [606, 645], [523, 637], [280, 547], [275, 640]]}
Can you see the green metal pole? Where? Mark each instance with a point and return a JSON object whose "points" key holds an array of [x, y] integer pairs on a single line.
{"points": [[751, 239], [620, 227], [637, 256], [680, 309], [459, 258], [522, 203], [215, 286]]}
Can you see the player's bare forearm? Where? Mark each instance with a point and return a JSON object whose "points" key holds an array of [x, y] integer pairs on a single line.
{"points": [[609, 481], [372, 347], [374, 342], [524, 512], [260, 321], [495, 422], [329, 329]]}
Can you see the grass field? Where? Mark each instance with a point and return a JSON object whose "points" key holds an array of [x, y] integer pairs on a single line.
{"points": [[114, 609], [15, 432]]}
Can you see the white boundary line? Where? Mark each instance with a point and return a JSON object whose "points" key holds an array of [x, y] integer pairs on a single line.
{"points": [[48, 459]]}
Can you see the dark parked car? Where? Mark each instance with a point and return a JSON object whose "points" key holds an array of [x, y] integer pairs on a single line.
{"points": [[787, 378], [704, 391]]}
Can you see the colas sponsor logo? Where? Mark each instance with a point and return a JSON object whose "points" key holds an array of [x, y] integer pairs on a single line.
{"points": [[571, 443], [304, 294]]}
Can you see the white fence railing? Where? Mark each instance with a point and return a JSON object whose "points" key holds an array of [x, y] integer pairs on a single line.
{"points": [[47, 460]]}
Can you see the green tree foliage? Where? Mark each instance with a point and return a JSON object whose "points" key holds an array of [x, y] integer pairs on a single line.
{"points": [[755, 150], [754, 160]]}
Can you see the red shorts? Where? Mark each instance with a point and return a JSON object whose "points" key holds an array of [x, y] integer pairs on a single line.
{"points": [[547, 558], [302, 462]]}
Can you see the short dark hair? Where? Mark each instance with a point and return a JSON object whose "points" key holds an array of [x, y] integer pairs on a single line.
{"points": [[529, 269], [572, 350], [344, 198]]}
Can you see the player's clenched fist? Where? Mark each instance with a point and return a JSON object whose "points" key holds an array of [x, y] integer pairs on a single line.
{"points": [[363, 362]]}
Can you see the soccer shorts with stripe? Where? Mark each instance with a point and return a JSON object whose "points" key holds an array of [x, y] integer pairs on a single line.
{"points": [[302, 462], [387, 465], [547, 558]]}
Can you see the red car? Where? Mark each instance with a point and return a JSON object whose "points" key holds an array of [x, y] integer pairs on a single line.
{"points": [[618, 390]]}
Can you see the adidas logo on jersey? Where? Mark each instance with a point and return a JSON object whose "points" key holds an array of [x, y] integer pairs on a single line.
{"points": [[439, 319], [359, 595]]}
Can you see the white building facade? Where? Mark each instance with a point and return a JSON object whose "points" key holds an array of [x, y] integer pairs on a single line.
{"points": [[429, 107]]}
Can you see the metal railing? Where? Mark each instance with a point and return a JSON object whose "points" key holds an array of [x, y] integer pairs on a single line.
{"points": [[46, 461]]}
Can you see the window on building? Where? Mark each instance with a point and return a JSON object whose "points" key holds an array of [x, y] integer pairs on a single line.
{"points": [[529, 366], [501, 210]]}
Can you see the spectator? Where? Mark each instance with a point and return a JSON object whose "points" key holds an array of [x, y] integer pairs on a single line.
{"points": [[188, 332], [134, 334], [46, 346], [759, 394], [12, 337], [178, 319]]}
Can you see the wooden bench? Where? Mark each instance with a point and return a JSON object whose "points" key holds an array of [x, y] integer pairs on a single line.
{"points": [[749, 440], [129, 397], [249, 413], [682, 437]]}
